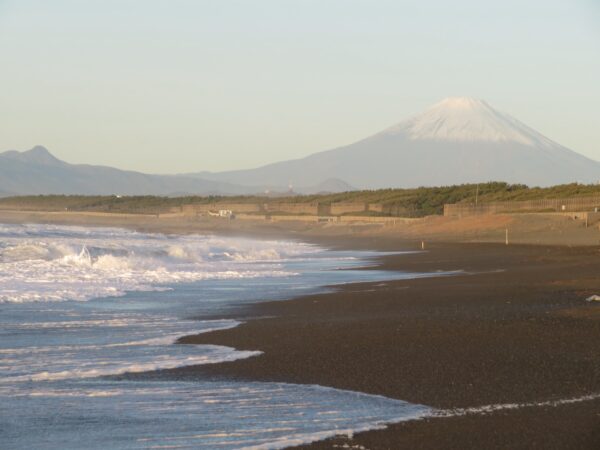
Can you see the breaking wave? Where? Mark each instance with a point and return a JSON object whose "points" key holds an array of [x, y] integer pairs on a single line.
{"points": [[47, 263]]}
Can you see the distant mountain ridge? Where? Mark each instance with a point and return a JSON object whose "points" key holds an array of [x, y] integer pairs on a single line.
{"points": [[37, 171], [37, 155]]}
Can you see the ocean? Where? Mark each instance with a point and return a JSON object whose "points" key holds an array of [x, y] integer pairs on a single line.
{"points": [[80, 306]]}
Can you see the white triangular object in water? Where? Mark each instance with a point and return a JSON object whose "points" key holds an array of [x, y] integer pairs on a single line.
{"points": [[84, 255]]}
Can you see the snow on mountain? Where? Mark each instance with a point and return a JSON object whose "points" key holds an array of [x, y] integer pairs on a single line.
{"points": [[468, 120]]}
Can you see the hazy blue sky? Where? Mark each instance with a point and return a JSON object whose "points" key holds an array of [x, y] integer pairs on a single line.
{"points": [[190, 85]]}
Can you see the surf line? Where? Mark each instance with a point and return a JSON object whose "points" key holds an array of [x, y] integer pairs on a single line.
{"points": [[488, 409]]}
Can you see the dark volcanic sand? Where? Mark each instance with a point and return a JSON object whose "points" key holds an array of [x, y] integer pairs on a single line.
{"points": [[514, 328]]}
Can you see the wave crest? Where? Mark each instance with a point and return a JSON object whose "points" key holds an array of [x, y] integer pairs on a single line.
{"points": [[49, 263]]}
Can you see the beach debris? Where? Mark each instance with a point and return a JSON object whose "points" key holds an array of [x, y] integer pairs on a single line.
{"points": [[593, 298]]}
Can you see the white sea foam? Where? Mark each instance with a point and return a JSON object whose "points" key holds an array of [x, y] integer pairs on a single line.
{"points": [[489, 409], [46, 263], [206, 355], [134, 342]]}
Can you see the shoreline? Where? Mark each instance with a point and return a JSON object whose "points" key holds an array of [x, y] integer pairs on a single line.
{"points": [[394, 303], [514, 328]]}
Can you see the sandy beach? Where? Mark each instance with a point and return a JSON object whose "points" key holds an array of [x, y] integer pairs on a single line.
{"points": [[514, 328], [510, 327]]}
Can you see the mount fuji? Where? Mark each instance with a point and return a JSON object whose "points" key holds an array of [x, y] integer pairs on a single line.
{"points": [[458, 140]]}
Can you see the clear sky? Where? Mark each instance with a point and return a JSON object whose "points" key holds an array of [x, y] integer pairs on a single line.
{"points": [[189, 85]]}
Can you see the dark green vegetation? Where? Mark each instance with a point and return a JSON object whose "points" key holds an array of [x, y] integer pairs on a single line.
{"points": [[415, 202]]}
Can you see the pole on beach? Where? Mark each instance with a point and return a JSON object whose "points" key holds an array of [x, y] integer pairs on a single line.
{"points": [[506, 236], [422, 245]]}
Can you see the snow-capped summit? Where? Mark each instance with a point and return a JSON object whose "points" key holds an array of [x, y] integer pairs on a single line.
{"points": [[467, 119]]}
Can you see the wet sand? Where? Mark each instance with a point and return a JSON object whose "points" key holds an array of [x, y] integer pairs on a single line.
{"points": [[514, 328]]}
